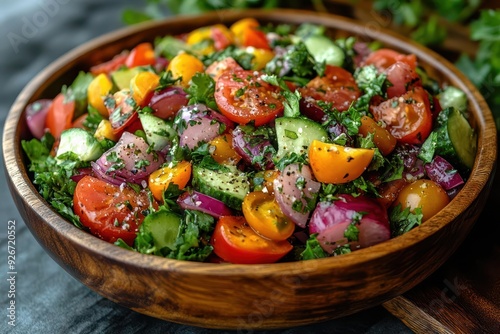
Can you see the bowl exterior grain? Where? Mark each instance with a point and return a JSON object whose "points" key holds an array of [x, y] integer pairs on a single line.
{"points": [[239, 296]]}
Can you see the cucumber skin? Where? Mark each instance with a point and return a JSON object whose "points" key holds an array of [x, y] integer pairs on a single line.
{"points": [[212, 183], [301, 144], [444, 144], [81, 143], [156, 222]]}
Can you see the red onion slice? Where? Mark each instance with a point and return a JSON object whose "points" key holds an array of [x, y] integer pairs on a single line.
{"points": [[293, 189], [197, 201], [36, 113], [330, 221], [128, 161]]}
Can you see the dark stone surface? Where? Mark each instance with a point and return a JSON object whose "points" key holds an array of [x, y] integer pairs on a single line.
{"points": [[49, 300]]}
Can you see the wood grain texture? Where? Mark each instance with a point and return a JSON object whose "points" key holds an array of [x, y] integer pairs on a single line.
{"points": [[241, 296]]}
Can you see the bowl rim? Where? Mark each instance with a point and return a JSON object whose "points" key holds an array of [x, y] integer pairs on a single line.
{"points": [[18, 175]]}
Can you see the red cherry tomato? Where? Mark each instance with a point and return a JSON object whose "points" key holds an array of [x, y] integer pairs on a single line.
{"points": [[142, 55], [402, 78], [60, 115], [256, 38], [234, 241], [242, 96], [122, 112], [108, 211], [408, 117], [110, 65], [337, 86], [383, 58]]}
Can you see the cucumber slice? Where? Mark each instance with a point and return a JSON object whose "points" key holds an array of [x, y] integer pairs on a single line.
{"points": [[164, 227], [453, 97], [121, 78], [294, 135], [323, 49], [463, 138], [80, 142], [228, 184], [456, 139], [159, 132]]}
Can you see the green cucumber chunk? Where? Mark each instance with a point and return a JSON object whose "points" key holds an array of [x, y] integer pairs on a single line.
{"points": [[227, 184], [163, 226], [456, 139], [323, 49], [80, 142], [122, 77], [294, 135], [159, 132]]}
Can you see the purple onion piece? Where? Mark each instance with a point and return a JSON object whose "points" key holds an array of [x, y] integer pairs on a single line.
{"points": [[204, 203], [330, 221], [36, 113], [128, 161], [250, 146], [295, 191], [167, 102], [443, 173]]}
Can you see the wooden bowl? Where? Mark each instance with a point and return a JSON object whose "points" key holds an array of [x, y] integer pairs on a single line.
{"points": [[248, 296]]}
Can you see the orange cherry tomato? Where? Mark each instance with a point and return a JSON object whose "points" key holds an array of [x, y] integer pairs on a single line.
{"points": [[60, 115], [337, 87], [408, 117], [383, 58], [224, 152], [109, 211], [141, 55], [384, 140], [160, 179], [256, 38], [235, 242], [242, 96], [424, 194], [338, 164], [265, 217], [143, 85], [97, 90]]}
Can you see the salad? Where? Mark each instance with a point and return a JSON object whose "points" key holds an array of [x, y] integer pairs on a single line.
{"points": [[251, 143]]}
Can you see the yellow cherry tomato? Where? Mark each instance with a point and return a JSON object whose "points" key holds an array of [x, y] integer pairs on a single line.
{"points": [[264, 215], [223, 151], [260, 57], [424, 194], [142, 85], [98, 88], [239, 28], [105, 130], [338, 164], [160, 179], [185, 66], [384, 140]]}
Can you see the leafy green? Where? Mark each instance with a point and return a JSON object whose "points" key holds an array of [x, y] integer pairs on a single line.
{"points": [[77, 92], [292, 99], [202, 90], [313, 249], [371, 83], [402, 221], [53, 177]]}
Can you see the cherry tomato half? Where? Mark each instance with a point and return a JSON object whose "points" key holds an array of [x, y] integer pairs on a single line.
{"points": [[234, 241], [60, 115], [122, 112], [424, 194], [408, 117], [242, 96], [108, 211], [264, 215], [383, 58], [337, 87]]}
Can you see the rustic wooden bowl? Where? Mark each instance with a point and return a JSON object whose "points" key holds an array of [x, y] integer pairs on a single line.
{"points": [[248, 296]]}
